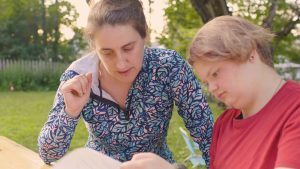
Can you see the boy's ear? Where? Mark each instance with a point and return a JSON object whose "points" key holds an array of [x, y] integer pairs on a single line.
{"points": [[253, 56]]}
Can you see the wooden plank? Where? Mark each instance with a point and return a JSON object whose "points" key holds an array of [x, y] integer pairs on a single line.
{"points": [[16, 156]]}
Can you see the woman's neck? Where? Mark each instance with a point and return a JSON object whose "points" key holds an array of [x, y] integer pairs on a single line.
{"points": [[116, 89]]}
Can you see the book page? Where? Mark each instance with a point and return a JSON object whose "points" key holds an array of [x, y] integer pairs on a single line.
{"points": [[85, 158]]}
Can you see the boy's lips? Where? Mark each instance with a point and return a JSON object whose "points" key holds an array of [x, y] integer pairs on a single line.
{"points": [[220, 96]]}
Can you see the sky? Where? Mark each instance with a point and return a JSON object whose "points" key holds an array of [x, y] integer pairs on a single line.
{"points": [[155, 20]]}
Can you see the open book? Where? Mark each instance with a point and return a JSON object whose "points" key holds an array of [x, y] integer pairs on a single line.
{"points": [[85, 158]]}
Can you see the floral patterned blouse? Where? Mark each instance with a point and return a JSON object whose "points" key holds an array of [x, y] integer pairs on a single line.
{"points": [[165, 78]]}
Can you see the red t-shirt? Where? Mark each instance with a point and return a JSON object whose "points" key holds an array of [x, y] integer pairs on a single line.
{"points": [[268, 139]]}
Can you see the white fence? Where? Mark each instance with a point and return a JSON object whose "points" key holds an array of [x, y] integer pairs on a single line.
{"points": [[32, 65]]}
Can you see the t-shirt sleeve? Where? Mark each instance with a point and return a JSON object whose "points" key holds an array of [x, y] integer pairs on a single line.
{"points": [[289, 144]]}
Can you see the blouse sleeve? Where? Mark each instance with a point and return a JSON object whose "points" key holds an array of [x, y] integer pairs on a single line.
{"points": [[56, 134], [192, 105]]}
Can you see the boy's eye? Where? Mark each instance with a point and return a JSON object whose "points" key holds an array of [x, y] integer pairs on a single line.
{"points": [[215, 74]]}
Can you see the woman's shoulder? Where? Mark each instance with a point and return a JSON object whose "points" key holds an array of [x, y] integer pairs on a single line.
{"points": [[162, 57], [85, 64], [159, 51]]}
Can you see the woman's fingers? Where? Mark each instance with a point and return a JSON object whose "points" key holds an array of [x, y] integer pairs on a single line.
{"points": [[89, 79], [133, 165], [79, 85], [73, 86], [83, 82], [146, 161], [139, 156], [76, 92]]}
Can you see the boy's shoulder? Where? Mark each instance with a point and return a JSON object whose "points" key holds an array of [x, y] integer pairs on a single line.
{"points": [[228, 115]]}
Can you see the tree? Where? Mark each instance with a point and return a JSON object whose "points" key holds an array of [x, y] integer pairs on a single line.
{"points": [[18, 33], [182, 23], [280, 16], [43, 11], [208, 10], [29, 29], [56, 24]]}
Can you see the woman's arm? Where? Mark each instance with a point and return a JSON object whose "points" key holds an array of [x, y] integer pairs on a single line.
{"points": [[192, 105], [56, 135]]}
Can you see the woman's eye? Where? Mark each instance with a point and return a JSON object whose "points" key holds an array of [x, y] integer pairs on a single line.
{"points": [[128, 49], [106, 52]]}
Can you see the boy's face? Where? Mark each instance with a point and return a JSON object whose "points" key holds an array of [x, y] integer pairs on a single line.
{"points": [[228, 81]]}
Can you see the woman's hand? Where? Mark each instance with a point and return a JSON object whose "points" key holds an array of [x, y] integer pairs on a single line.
{"points": [[147, 161], [76, 92]]}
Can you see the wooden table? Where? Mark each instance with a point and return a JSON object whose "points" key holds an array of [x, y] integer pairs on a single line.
{"points": [[16, 156]]}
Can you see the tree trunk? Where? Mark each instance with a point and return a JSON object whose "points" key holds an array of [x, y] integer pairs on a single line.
{"points": [[209, 9], [56, 31], [44, 23]]}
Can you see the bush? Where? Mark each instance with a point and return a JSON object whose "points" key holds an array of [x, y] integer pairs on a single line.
{"points": [[30, 75]]}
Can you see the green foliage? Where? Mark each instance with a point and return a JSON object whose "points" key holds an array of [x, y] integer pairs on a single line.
{"points": [[183, 22], [71, 48], [257, 11], [21, 30], [25, 76], [16, 30], [289, 47]]}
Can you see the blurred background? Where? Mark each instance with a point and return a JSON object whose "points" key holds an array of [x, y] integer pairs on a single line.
{"points": [[40, 38]]}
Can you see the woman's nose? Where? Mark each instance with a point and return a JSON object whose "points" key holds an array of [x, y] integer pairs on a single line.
{"points": [[121, 62]]}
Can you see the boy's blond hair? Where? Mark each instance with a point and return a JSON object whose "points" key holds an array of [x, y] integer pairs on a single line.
{"points": [[231, 37]]}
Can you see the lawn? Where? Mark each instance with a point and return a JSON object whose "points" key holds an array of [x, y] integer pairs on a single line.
{"points": [[22, 115]]}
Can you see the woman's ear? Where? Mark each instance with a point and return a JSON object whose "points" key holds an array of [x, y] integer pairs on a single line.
{"points": [[91, 3], [147, 39]]}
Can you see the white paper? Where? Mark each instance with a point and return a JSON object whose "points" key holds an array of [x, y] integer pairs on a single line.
{"points": [[85, 158]]}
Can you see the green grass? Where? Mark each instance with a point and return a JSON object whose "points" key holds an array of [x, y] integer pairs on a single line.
{"points": [[23, 114]]}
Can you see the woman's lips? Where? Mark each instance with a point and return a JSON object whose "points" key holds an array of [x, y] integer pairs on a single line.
{"points": [[125, 72]]}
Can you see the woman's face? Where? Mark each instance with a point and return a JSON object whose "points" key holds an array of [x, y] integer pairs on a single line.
{"points": [[121, 51], [229, 81]]}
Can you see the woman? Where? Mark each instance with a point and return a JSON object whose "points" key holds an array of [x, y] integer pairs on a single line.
{"points": [[261, 130], [124, 91]]}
